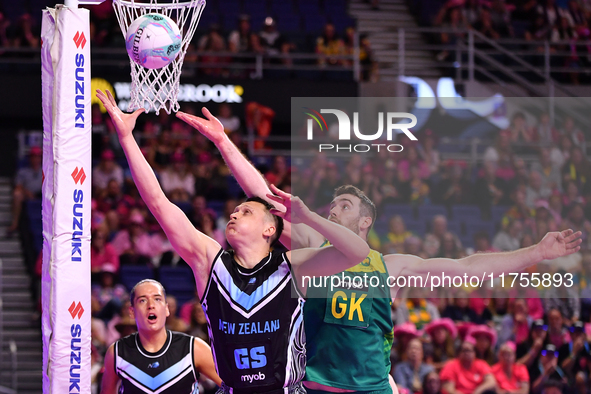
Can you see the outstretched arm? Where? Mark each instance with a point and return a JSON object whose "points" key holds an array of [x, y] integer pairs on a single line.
{"points": [[347, 248], [197, 249], [553, 245], [249, 178]]}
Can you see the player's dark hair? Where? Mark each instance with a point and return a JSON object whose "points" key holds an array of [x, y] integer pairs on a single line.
{"points": [[141, 282], [368, 208], [276, 219]]}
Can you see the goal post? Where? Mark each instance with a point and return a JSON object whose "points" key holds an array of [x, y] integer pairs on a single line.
{"points": [[66, 198]]}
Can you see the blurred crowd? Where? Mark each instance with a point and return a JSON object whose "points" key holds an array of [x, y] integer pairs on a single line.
{"points": [[562, 23], [219, 52], [515, 337]]}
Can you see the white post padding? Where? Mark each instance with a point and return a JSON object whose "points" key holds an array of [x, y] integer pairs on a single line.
{"points": [[66, 321]]}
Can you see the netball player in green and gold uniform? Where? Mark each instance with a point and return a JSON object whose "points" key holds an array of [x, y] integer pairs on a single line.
{"points": [[348, 339]]}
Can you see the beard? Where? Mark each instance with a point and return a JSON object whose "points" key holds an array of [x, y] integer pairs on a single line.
{"points": [[352, 225]]}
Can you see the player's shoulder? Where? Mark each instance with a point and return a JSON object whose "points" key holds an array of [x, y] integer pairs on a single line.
{"points": [[128, 341]]}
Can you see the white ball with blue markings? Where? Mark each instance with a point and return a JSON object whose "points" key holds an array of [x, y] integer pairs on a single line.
{"points": [[153, 41]]}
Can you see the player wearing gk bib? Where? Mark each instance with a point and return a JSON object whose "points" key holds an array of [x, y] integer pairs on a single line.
{"points": [[155, 360], [253, 227], [352, 209], [255, 322], [352, 312]]}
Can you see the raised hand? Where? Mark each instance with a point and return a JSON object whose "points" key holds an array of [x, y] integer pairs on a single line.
{"points": [[124, 123], [559, 243], [211, 127], [296, 211]]}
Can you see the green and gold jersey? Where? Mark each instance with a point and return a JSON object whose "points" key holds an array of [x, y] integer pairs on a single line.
{"points": [[349, 328]]}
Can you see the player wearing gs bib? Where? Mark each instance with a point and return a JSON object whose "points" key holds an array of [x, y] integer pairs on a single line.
{"points": [[357, 311], [253, 228], [255, 324]]}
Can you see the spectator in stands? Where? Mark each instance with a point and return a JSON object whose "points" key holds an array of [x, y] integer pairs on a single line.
{"points": [[278, 173], [460, 310], [259, 120], [177, 181], [120, 322], [515, 326], [466, 374], [27, 186], [390, 187], [206, 223], [500, 16], [450, 247], [135, 245], [102, 252], [563, 37], [575, 356], [539, 30], [557, 334], [210, 54], [576, 218], [451, 17], [173, 322], [482, 242], [486, 339], [230, 121], [414, 245], [509, 239], [403, 334], [511, 377], [25, 34], [535, 189], [565, 299], [410, 373], [546, 369], [243, 40], [428, 151], [275, 43], [435, 238], [110, 294], [489, 189], [159, 157], [4, 26], [519, 210], [453, 188], [329, 45], [106, 170], [443, 333], [529, 351], [470, 10], [576, 168], [486, 27], [555, 207], [432, 383], [570, 129], [585, 285], [561, 153], [519, 130], [549, 171], [396, 237], [545, 132], [416, 309], [551, 11], [369, 67], [417, 187]]}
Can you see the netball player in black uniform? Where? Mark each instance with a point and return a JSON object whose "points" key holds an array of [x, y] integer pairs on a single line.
{"points": [[155, 360], [252, 303]]}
